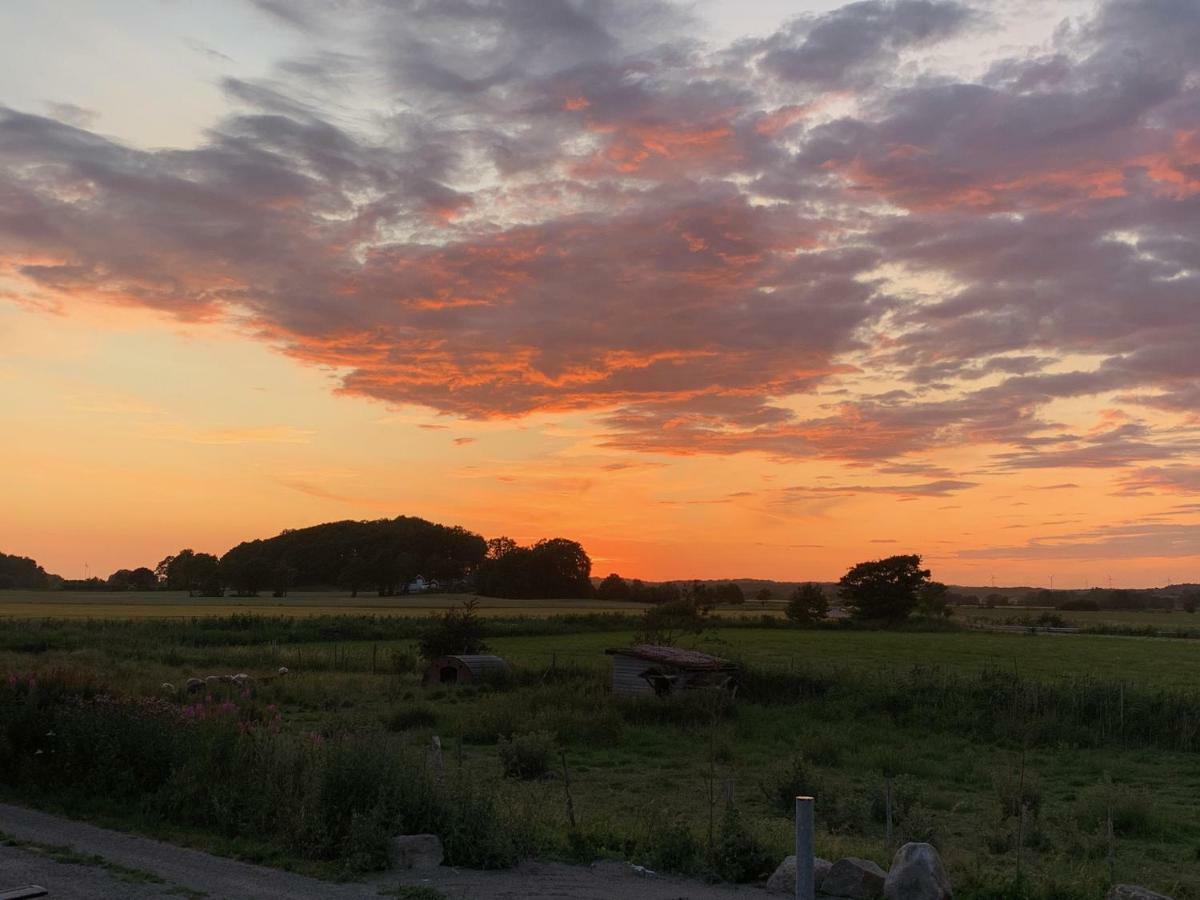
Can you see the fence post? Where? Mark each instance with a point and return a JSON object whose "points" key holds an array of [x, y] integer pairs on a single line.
{"points": [[805, 889]]}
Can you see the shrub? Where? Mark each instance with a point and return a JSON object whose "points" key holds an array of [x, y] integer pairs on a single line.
{"points": [[739, 855], [674, 848], [527, 756], [787, 781], [460, 630]]}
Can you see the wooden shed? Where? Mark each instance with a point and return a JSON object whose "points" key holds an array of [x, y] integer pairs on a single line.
{"points": [[651, 670], [465, 669]]}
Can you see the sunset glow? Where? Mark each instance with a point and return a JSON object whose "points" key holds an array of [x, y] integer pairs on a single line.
{"points": [[715, 299]]}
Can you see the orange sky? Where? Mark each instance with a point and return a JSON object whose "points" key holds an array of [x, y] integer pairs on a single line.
{"points": [[765, 308]]}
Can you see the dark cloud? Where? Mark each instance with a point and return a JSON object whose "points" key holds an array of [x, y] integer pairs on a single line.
{"points": [[850, 46], [569, 206]]}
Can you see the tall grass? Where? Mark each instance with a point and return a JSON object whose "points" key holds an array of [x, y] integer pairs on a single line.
{"points": [[996, 705], [225, 766]]}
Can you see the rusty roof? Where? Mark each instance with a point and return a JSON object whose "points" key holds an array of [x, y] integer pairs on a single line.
{"points": [[674, 656]]}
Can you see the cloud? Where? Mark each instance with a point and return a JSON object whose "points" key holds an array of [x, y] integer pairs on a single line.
{"points": [[1132, 541], [851, 46], [806, 245]]}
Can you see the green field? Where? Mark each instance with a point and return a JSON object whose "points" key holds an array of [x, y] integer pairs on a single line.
{"points": [[177, 605], [1160, 620], [1109, 717]]}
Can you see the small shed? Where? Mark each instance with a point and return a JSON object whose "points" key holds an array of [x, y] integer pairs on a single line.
{"points": [[651, 670], [464, 669]]}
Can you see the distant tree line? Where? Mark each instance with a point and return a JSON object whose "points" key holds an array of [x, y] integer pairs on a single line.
{"points": [[23, 573], [703, 594]]}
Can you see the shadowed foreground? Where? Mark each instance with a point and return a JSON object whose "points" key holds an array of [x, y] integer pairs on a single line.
{"points": [[123, 867]]}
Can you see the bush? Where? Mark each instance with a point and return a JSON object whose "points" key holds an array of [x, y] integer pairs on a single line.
{"points": [[459, 631], [674, 848], [527, 756], [739, 855], [789, 780]]}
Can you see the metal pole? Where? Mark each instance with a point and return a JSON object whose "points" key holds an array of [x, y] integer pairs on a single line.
{"points": [[805, 889]]}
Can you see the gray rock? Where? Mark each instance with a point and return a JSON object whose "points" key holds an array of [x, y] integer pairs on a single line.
{"points": [[415, 851], [192, 685], [854, 879], [783, 881], [1132, 892], [917, 874]]}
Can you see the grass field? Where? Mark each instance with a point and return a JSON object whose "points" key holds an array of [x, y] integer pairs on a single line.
{"points": [[1162, 620], [648, 780], [177, 605], [1163, 663]]}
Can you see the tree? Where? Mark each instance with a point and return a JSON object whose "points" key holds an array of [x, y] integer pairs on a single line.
{"points": [[665, 623], [764, 596], [22, 572], [282, 579], [807, 604], [555, 568], [193, 572], [460, 630], [613, 587], [140, 579], [933, 600], [730, 594], [884, 590]]}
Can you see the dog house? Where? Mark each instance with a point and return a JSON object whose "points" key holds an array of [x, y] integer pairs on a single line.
{"points": [[651, 670], [465, 669]]}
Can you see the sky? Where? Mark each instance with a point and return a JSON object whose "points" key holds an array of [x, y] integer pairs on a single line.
{"points": [[718, 289]]}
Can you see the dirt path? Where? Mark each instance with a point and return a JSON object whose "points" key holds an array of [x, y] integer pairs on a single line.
{"points": [[184, 872]]}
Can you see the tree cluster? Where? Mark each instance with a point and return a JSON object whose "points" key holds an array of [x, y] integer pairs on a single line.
{"points": [[703, 594], [22, 572], [554, 568], [385, 555]]}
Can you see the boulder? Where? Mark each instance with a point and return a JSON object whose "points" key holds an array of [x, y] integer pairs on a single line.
{"points": [[854, 879], [1132, 892], [917, 874], [783, 881], [415, 851], [283, 670], [192, 685]]}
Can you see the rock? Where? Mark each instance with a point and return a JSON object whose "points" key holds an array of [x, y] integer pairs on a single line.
{"points": [[783, 881], [1132, 892], [192, 685], [167, 687], [283, 670], [242, 679], [917, 874], [415, 851], [854, 879]]}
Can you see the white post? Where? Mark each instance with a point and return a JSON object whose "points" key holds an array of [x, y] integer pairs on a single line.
{"points": [[805, 889]]}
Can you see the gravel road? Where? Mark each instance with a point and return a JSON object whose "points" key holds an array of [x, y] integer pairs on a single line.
{"points": [[186, 872]]}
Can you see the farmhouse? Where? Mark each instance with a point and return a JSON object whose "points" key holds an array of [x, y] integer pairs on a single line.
{"points": [[464, 669], [647, 669]]}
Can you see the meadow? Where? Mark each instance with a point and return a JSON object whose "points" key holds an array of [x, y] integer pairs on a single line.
{"points": [[1008, 751]]}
